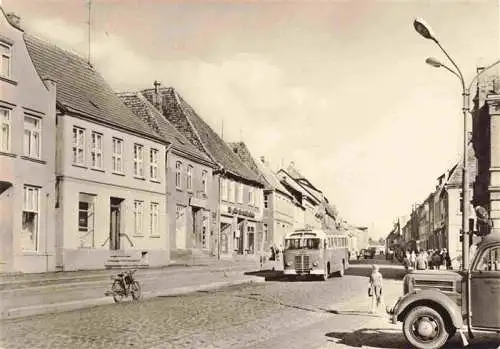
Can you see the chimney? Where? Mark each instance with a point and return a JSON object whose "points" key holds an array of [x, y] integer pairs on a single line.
{"points": [[157, 98], [14, 20]]}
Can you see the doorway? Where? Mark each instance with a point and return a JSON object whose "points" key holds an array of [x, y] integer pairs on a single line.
{"points": [[114, 223]]}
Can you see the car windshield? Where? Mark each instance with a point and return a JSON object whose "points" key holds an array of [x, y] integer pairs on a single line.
{"points": [[300, 243]]}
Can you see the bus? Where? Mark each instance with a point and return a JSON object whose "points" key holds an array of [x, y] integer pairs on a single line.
{"points": [[314, 252]]}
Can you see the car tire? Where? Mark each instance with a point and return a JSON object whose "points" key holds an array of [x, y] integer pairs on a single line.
{"points": [[424, 328]]}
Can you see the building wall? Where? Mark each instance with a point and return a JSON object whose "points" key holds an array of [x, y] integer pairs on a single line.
{"points": [[454, 224], [23, 93], [239, 219], [194, 204], [278, 217], [80, 182]]}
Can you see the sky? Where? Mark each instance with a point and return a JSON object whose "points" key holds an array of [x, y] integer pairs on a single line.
{"points": [[340, 88]]}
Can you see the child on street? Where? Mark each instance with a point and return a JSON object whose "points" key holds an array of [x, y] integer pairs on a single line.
{"points": [[375, 289]]}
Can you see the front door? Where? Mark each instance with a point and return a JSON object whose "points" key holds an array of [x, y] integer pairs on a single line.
{"points": [[114, 223], [180, 227], [485, 289]]}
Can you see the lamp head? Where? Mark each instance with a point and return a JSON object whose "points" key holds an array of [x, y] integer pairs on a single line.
{"points": [[423, 29], [433, 62]]}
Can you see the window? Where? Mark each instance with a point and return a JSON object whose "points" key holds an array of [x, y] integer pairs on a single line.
{"points": [[78, 145], [178, 174], [204, 181], [96, 150], [189, 178], [266, 200], [138, 218], [5, 131], [29, 238], [266, 231], [231, 191], [251, 199], [5, 52], [117, 155], [86, 220], [490, 260], [32, 131], [154, 210], [223, 189], [240, 193], [153, 163], [138, 160]]}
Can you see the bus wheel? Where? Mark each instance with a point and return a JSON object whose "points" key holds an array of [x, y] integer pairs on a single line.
{"points": [[342, 270]]}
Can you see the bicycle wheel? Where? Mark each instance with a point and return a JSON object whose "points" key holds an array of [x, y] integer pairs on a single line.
{"points": [[136, 290], [118, 291]]}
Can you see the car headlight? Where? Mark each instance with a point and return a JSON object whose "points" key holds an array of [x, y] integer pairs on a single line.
{"points": [[288, 264], [315, 264]]}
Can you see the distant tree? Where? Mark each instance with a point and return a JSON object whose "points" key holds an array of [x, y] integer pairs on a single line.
{"points": [[381, 241], [370, 241]]}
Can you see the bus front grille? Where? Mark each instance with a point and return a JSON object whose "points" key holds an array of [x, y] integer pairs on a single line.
{"points": [[302, 264]]}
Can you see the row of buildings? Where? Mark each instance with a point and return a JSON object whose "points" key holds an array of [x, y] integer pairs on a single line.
{"points": [[436, 222], [91, 178]]}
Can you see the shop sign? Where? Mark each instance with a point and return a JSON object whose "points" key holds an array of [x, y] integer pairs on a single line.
{"points": [[240, 212]]}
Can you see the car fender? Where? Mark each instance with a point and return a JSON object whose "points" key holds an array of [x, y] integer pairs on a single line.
{"points": [[430, 298]]}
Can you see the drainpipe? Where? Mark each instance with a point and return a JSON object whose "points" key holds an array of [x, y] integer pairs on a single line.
{"points": [[219, 233], [167, 151], [46, 231]]}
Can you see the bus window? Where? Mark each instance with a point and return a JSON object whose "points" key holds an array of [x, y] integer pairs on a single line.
{"points": [[308, 243]]}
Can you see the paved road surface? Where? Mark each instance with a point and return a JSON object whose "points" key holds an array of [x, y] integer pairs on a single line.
{"points": [[278, 314]]}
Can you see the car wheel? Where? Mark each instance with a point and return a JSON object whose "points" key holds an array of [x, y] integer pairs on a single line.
{"points": [[424, 328]]}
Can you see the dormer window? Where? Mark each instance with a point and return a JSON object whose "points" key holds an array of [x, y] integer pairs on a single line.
{"points": [[5, 59]]}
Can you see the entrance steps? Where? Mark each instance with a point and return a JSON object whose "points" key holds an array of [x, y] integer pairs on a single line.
{"points": [[125, 260]]}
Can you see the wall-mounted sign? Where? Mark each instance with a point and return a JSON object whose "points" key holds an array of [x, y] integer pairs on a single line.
{"points": [[240, 212]]}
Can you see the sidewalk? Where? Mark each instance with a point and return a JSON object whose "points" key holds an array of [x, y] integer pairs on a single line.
{"points": [[31, 294]]}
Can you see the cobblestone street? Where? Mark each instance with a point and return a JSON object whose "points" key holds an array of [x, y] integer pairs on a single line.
{"points": [[277, 314]]}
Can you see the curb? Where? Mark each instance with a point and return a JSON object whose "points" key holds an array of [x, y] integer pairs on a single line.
{"points": [[89, 303]]}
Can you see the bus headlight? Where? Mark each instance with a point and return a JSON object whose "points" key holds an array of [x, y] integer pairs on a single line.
{"points": [[288, 264], [315, 264]]}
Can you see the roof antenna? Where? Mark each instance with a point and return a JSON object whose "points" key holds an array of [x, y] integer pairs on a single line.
{"points": [[90, 31]]}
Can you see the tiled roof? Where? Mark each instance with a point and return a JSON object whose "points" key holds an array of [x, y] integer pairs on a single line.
{"points": [[270, 179], [80, 88], [295, 174], [455, 177], [148, 113], [189, 123]]}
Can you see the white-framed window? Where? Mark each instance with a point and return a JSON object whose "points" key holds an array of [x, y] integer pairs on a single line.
{"points": [[204, 181], [251, 196], [78, 145], [138, 218], [5, 131], [189, 177], [231, 192], [5, 59], [153, 163], [138, 160], [154, 213], [117, 155], [240, 193], [86, 221], [30, 221], [178, 174], [96, 150], [32, 139], [223, 189]]}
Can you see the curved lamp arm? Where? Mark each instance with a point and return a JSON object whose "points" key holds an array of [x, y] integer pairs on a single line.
{"points": [[461, 77]]}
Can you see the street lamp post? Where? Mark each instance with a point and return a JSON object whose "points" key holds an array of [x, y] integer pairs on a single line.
{"points": [[424, 29]]}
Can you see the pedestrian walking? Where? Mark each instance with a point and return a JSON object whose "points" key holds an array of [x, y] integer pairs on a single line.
{"points": [[421, 263], [413, 259], [375, 289]]}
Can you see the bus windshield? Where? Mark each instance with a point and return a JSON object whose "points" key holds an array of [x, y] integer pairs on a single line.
{"points": [[307, 243]]}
